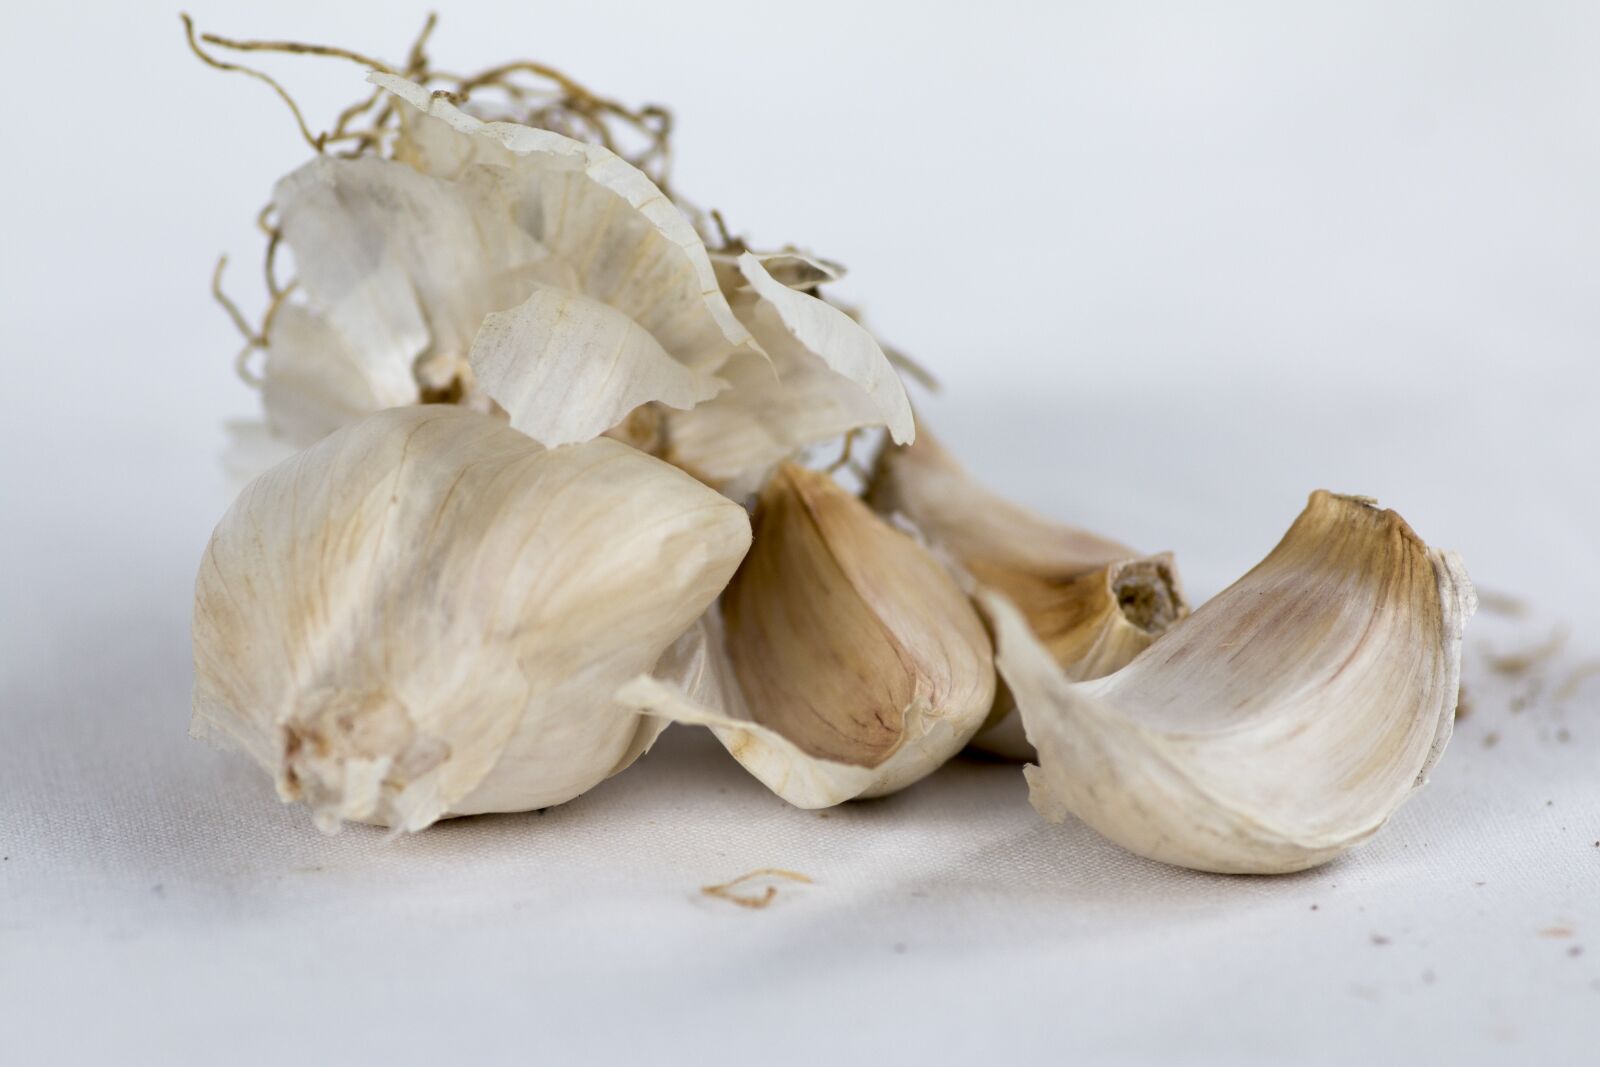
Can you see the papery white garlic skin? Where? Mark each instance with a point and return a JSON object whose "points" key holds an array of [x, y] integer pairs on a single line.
{"points": [[427, 613], [494, 260], [847, 662], [621, 308], [1281, 723], [821, 376]]}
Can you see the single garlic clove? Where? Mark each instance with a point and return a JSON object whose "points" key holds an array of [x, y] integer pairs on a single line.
{"points": [[851, 664], [1281, 723], [1094, 603], [1091, 624], [927, 485], [427, 614], [824, 376]]}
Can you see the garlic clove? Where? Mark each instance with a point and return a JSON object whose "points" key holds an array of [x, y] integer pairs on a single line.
{"points": [[1281, 723], [826, 377], [926, 484], [1094, 603], [854, 664], [1092, 624], [427, 614]]}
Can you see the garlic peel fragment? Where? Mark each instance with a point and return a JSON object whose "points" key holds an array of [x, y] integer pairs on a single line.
{"points": [[567, 368], [1281, 723], [823, 376], [427, 614], [838, 341], [631, 246]]}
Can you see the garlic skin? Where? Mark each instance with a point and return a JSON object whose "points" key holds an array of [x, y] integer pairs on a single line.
{"points": [[426, 614], [493, 261], [822, 375], [621, 307], [846, 662], [1094, 603], [1280, 724]]}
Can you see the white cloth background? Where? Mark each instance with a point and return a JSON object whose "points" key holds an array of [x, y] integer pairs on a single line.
{"points": [[1196, 264]]}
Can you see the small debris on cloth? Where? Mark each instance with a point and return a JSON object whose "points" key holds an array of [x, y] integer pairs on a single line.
{"points": [[729, 890]]}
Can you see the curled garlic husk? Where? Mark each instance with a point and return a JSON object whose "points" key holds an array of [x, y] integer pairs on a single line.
{"points": [[495, 264], [1281, 723], [846, 662], [819, 375], [427, 613], [1094, 603]]}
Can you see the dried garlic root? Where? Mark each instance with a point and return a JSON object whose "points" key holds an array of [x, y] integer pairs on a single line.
{"points": [[426, 614], [1094, 603], [1281, 723], [847, 663]]}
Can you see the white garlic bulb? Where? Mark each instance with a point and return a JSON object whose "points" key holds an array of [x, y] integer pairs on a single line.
{"points": [[427, 613], [1281, 723]]}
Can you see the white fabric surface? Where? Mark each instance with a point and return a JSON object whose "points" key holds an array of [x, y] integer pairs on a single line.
{"points": [[1414, 323]]}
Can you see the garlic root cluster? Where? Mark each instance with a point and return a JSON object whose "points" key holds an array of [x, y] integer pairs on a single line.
{"points": [[547, 430]]}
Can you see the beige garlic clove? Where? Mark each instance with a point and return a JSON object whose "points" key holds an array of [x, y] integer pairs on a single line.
{"points": [[1281, 723], [821, 377], [1094, 603], [1092, 624], [847, 663], [427, 614], [927, 485]]}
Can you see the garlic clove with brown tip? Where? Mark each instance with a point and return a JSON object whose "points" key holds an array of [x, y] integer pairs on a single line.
{"points": [[1093, 602], [1092, 624], [427, 613], [847, 662], [1280, 724]]}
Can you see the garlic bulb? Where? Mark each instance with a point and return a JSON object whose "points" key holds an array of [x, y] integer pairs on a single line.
{"points": [[822, 375], [1094, 603], [847, 663], [1281, 723], [427, 613]]}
